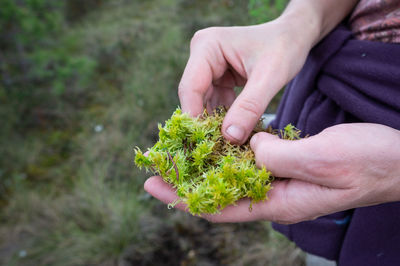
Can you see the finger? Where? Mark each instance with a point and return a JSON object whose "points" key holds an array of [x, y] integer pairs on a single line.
{"points": [[226, 96], [193, 86], [221, 92], [206, 63], [290, 201], [277, 155], [230, 79], [309, 159], [224, 87], [276, 208], [239, 212], [221, 96], [209, 99], [162, 191], [251, 103]]}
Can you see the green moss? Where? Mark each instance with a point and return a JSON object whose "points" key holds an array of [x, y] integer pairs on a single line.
{"points": [[207, 172]]}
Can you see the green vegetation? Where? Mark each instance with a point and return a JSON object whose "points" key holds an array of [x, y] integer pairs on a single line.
{"points": [[81, 84], [207, 171]]}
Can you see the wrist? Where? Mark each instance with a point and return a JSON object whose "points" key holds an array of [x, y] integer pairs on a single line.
{"points": [[304, 21], [316, 18], [303, 30]]}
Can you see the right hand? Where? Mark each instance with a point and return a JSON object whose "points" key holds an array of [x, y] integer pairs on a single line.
{"points": [[343, 167], [262, 58]]}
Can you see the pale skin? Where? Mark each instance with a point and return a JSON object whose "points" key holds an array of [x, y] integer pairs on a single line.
{"points": [[343, 167]]}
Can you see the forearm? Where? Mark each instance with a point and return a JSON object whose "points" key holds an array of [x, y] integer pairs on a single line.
{"points": [[316, 18]]}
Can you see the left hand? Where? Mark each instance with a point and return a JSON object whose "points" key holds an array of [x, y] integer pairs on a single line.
{"points": [[343, 167]]}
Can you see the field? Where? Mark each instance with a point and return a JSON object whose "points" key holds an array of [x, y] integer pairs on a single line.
{"points": [[82, 84]]}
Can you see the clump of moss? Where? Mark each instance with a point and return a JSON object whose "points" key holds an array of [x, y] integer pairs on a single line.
{"points": [[208, 172]]}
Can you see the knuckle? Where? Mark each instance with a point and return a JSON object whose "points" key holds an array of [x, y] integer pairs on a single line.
{"points": [[251, 107], [199, 36], [204, 35]]}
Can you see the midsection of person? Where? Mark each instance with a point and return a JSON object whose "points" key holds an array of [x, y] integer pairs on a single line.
{"points": [[376, 20]]}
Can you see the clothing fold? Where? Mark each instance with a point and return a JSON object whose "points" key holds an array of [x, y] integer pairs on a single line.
{"points": [[344, 81]]}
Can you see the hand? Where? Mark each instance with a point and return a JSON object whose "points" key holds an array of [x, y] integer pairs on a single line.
{"points": [[345, 166], [262, 58]]}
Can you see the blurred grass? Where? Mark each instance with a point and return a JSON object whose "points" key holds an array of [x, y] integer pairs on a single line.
{"points": [[76, 97]]}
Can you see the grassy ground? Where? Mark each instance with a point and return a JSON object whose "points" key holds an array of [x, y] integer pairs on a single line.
{"points": [[70, 194]]}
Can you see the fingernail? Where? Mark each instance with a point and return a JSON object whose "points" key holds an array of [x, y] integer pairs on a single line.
{"points": [[235, 132]]}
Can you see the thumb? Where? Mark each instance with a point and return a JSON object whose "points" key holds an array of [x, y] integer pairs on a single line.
{"points": [[251, 103], [302, 159], [277, 155]]}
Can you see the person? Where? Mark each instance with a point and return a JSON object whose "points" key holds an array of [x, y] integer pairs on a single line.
{"points": [[340, 188]]}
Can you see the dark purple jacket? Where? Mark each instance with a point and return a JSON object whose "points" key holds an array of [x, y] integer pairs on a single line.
{"points": [[343, 81]]}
